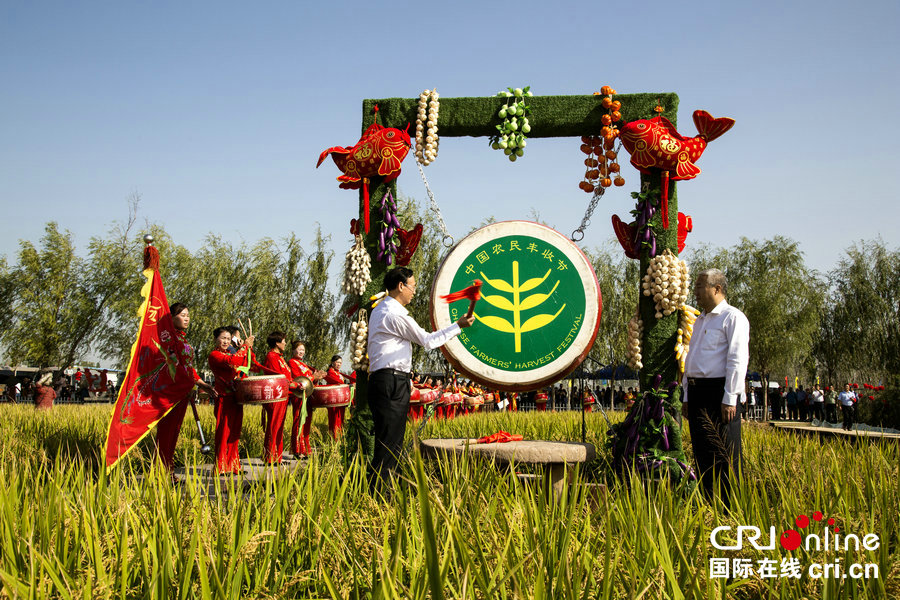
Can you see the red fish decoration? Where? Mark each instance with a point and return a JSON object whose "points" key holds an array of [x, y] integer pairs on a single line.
{"points": [[626, 234], [379, 151], [409, 241], [656, 144]]}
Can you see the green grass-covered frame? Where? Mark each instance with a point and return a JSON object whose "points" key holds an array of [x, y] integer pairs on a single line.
{"points": [[551, 116]]}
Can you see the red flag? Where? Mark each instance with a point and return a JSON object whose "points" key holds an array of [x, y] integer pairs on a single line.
{"points": [[160, 371]]}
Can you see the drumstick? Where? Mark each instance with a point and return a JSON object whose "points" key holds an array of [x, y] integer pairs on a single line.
{"points": [[242, 329], [250, 325]]}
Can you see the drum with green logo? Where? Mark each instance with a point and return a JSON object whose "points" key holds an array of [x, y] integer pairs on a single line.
{"points": [[539, 310]]}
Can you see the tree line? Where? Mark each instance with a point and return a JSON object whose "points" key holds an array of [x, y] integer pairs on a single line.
{"points": [[58, 307]]}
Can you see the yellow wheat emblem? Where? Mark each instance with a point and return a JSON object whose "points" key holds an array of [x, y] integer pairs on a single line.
{"points": [[519, 304]]}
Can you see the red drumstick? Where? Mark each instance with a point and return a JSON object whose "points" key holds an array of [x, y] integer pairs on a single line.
{"points": [[473, 293]]}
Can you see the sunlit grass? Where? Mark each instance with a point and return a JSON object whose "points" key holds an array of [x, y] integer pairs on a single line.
{"points": [[455, 528]]}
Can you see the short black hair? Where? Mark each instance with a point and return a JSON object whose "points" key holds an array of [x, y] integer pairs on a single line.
{"points": [[396, 276], [336, 357], [274, 338], [296, 344], [231, 329], [218, 331], [175, 309]]}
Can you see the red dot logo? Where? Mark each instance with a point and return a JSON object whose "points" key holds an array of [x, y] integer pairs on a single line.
{"points": [[817, 515], [802, 521], [790, 540], [831, 521], [837, 529]]}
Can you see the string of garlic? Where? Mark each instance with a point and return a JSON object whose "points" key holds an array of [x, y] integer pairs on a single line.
{"points": [[359, 333], [357, 265], [685, 330], [427, 139], [633, 347], [667, 280]]}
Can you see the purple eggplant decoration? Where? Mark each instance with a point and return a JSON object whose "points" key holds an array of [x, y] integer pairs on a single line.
{"points": [[389, 259], [665, 437], [381, 241], [658, 410], [390, 232], [656, 381], [671, 387]]}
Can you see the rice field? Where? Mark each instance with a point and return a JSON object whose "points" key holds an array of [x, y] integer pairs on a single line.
{"points": [[453, 529]]}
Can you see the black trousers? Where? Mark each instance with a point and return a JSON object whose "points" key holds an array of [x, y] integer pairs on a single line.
{"points": [[848, 417], [389, 401], [716, 444]]}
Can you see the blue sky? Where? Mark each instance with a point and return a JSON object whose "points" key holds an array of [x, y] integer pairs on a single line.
{"points": [[216, 112]]}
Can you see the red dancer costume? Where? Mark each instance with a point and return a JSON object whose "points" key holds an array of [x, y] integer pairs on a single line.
{"points": [[300, 443], [170, 425], [335, 415], [229, 414], [273, 442]]}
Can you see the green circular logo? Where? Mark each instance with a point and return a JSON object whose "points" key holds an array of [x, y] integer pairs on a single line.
{"points": [[539, 309]]}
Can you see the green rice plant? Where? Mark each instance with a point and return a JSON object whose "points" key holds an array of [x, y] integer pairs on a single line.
{"points": [[455, 527]]}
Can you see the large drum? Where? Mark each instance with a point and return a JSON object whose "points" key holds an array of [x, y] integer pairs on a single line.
{"points": [[262, 389], [330, 396], [540, 308]]}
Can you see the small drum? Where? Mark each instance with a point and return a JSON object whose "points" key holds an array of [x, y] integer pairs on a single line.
{"points": [[446, 399], [415, 396], [262, 389], [428, 395], [541, 398], [474, 400], [456, 399], [330, 396], [489, 397]]}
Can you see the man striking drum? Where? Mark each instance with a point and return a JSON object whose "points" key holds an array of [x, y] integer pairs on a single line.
{"points": [[391, 331]]}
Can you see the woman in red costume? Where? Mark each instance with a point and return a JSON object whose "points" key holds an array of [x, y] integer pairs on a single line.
{"points": [[300, 443], [273, 442], [229, 414], [169, 426], [335, 377]]}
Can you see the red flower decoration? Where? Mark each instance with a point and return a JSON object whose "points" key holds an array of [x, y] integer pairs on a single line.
{"points": [[871, 397]]}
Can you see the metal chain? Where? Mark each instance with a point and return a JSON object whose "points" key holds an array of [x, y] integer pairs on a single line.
{"points": [[435, 208], [586, 221]]}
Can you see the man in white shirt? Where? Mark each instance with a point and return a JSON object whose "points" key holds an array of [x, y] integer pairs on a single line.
{"points": [[847, 399], [713, 382], [391, 331], [817, 403]]}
